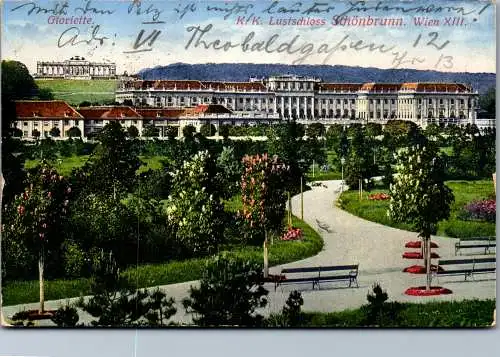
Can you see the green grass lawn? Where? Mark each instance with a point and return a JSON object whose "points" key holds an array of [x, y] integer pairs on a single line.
{"points": [[466, 313], [464, 191], [65, 165], [20, 292], [77, 91]]}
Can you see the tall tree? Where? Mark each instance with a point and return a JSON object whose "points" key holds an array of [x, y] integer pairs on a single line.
{"points": [[112, 166], [41, 209], [17, 83], [419, 195]]}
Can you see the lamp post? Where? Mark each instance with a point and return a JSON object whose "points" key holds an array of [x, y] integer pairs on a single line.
{"points": [[342, 162]]}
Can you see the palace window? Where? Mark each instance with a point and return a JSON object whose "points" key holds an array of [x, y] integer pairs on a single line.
{"points": [[353, 101], [393, 101], [66, 122], [331, 101], [25, 123]]}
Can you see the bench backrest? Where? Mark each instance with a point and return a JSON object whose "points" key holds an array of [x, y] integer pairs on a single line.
{"points": [[455, 261], [340, 267], [300, 270], [467, 261], [485, 260], [475, 245], [319, 269]]}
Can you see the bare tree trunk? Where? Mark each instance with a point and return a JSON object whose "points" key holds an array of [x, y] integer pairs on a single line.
{"points": [[266, 258], [41, 264], [428, 262]]}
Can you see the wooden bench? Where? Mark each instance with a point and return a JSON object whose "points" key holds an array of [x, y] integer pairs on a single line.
{"points": [[348, 273], [479, 242], [472, 266]]}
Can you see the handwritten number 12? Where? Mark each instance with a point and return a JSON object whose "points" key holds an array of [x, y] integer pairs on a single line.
{"points": [[434, 36]]}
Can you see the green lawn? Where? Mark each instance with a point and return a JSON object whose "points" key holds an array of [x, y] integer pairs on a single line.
{"points": [[461, 314], [65, 165], [20, 292], [464, 191], [77, 91]]}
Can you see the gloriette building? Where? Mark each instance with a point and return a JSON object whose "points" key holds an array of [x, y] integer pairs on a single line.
{"points": [[75, 68]]}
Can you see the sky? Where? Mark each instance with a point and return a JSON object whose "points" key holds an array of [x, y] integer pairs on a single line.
{"points": [[29, 33]]}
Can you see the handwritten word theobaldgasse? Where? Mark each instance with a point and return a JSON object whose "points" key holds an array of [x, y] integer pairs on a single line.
{"points": [[291, 47], [73, 20]]}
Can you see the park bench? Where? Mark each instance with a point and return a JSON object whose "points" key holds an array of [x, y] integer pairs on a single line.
{"points": [[479, 242], [467, 267], [314, 275]]}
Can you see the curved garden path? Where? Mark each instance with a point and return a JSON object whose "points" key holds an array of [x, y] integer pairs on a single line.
{"points": [[348, 240]]}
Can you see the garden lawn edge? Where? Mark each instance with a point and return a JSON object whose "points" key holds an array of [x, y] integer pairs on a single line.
{"points": [[151, 275]]}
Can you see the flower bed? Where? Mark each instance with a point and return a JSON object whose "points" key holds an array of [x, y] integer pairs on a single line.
{"points": [[418, 255], [420, 269], [379, 196], [33, 315], [292, 234], [484, 210], [434, 290], [418, 244]]}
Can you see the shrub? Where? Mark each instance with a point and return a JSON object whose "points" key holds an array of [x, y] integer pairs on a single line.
{"points": [[292, 309], [229, 293], [66, 316], [74, 259], [115, 304]]}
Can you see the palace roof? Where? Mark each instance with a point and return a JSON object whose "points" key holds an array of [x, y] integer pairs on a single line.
{"points": [[155, 113], [110, 112], [53, 109], [436, 87]]}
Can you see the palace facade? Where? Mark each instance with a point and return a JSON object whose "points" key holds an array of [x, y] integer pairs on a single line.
{"points": [[75, 68], [311, 99]]}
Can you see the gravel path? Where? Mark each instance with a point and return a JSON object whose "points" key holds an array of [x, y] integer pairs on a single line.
{"points": [[348, 240]]}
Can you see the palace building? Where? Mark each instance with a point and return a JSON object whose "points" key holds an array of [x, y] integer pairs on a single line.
{"points": [[178, 103], [75, 68], [38, 118], [311, 99]]}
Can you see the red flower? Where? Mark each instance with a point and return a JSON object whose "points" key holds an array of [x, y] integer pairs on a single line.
{"points": [[21, 210], [418, 244]]}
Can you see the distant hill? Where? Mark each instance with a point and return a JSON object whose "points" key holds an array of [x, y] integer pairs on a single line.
{"points": [[243, 71]]}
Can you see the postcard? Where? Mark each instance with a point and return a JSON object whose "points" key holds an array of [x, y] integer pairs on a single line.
{"points": [[266, 164]]}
